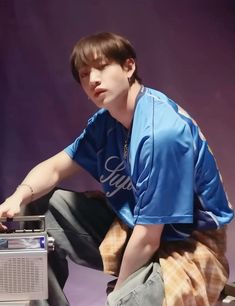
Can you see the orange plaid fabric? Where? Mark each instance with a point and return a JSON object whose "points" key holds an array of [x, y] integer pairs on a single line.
{"points": [[113, 246], [194, 271]]}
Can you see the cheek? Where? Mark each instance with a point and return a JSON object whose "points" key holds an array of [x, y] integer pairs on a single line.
{"points": [[123, 84], [119, 81]]}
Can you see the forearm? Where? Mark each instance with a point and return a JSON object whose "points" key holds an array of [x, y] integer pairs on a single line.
{"points": [[136, 256], [39, 181], [139, 251], [43, 178]]}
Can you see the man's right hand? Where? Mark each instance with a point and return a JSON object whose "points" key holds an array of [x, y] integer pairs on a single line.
{"points": [[9, 209]]}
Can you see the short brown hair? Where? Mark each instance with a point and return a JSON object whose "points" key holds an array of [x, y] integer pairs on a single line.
{"points": [[105, 44]]}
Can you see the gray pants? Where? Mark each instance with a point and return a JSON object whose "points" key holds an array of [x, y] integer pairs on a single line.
{"points": [[78, 225], [142, 288]]}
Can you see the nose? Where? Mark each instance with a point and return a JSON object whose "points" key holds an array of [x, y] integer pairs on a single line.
{"points": [[94, 77]]}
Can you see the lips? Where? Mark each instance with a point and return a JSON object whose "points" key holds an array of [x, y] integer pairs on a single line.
{"points": [[99, 91]]}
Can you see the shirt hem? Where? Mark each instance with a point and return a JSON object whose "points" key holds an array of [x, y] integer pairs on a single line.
{"points": [[163, 220]]}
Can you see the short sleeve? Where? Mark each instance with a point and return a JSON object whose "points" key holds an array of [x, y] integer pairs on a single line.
{"points": [[84, 149], [163, 168]]}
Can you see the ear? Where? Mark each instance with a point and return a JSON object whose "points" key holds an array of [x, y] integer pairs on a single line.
{"points": [[129, 66]]}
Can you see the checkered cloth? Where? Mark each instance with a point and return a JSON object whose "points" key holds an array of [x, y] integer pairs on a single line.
{"points": [[113, 246], [194, 271]]}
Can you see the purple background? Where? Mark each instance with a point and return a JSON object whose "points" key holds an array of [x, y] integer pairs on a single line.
{"points": [[185, 49]]}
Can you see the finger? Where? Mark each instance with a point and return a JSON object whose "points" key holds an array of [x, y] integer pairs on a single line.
{"points": [[3, 227], [3, 209], [2, 213], [11, 213], [7, 214]]}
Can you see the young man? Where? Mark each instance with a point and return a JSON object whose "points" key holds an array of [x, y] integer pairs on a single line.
{"points": [[162, 190]]}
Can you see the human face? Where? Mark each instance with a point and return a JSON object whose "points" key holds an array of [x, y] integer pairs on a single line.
{"points": [[106, 82]]}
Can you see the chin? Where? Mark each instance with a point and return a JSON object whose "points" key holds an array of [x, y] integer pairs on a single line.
{"points": [[105, 103]]}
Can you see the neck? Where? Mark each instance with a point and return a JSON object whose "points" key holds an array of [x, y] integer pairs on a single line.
{"points": [[124, 113]]}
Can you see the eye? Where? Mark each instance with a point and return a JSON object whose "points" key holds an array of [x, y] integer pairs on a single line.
{"points": [[84, 73], [102, 66]]}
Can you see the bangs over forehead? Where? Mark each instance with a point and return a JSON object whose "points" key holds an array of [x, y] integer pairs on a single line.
{"points": [[100, 46], [87, 53]]}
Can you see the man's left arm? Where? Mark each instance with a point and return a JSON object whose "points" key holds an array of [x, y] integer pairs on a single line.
{"points": [[143, 243]]}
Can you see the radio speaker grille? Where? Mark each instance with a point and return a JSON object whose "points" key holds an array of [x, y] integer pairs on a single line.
{"points": [[18, 275], [22, 276]]}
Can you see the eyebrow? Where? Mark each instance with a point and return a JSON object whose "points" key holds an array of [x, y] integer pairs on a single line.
{"points": [[95, 62]]}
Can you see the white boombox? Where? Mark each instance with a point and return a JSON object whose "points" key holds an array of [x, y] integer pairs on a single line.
{"points": [[23, 261]]}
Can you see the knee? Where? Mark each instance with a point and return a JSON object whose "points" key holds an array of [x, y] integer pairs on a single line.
{"points": [[64, 198], [58, 198]]}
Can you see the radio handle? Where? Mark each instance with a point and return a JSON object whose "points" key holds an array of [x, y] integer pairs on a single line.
{"points": [[40, 218]]}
